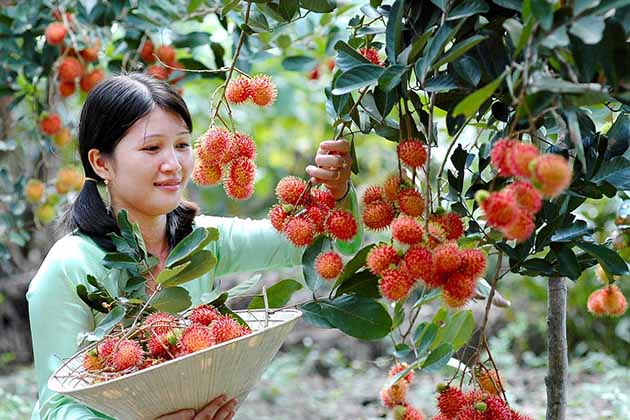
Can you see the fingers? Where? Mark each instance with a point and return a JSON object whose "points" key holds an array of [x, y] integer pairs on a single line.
{"points": [[331, 161], [218, 409], [179, 415], [340, 146], [328, 175]]}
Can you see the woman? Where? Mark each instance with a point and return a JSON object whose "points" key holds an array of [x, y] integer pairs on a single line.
{"points": [[134, 137]]}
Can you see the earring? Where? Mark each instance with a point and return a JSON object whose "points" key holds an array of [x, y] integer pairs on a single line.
{"points": [[108, 204]]}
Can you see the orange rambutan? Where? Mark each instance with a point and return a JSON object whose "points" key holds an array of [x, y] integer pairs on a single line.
{"points": [[206, 174], [451, 401], [473, 263], [607, 301], [226, 328], [322, 198], [166, 54], [407, 230], [378, 215], [527, 197], [299, 231], [520, 157], [395, 284], [127, 354], [521, 229], [391, 188], [373, 193], [238, 90], [412, 153], [263, 91], [411, 202], [236, 191], [70, 69], [55, 33], [213, 145], [452, 225], [341, 225], [447, 258], [91, 79], [242, 171], [328, 265], [382, 257], [551, 174]]}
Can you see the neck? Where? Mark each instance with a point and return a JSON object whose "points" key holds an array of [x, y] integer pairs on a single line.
{"points": [[153, 229]]}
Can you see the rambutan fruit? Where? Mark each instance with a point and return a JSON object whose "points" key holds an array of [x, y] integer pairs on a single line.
{"points": [[263, 91], [419, 261], [551, 174], [67, 88], [206, 173], [474, 262], [55, 33], [159, 72], [521, 229], [213, 145], [341, 225], [289, 189], [527, 197], [299, 231], [70, 69], [147, 51], [453, 301], [328, 265], [607, 301], [236, 191], [127, 354], [395, 284], [322, 198], [447, 258], [50, 124], [471, 413], [500, 156], [372, 55], [378, 215], [197, 337], [159, 323], [451, 223], [91, 361], [451, 401], [106, 347], [238, 90], [520, 157], [399, 367], [407, 230], [63, 137], [435, 234], [242, 146], [166, 54], [34, 190], [204, 315], [373, 193], [412, 153], [242, 171], [500, 209], [164, 345], [381, 258], [394, 395], [411, 202], [317, 217], [225, 329], [496, 408], [460, 286], [391, 187], [407, 412], [278, 216], [91, 79], [518, 416], [90, 54]]}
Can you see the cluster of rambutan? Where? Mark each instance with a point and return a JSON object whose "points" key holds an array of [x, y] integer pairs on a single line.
{"points": [[167, 55], [73, 66], [607, 301], [50, 124], [395, 396], [513, 209], [454, 404], [303, 213], [328, 65], [432, 257], [259, 89], [228, 157], [163, 337]]}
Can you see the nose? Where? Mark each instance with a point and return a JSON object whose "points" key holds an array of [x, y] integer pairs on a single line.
{"points": [[170, 163]]}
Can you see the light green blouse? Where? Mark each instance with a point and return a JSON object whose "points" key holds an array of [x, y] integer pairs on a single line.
{"points": [[58, 315]]}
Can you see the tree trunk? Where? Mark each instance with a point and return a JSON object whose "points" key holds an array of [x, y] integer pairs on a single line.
{"points": [[15, 332], [558, 374]]}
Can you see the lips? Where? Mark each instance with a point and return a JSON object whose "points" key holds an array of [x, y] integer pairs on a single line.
{"points": [[169, 183]]}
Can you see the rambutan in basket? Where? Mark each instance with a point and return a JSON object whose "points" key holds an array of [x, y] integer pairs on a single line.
{"points": [[192, 381]]}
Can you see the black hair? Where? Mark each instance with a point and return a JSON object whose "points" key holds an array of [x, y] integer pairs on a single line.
{"points": [[111, 108]]}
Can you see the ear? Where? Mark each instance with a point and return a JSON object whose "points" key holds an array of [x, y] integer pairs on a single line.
{"points": [[100, 164]]}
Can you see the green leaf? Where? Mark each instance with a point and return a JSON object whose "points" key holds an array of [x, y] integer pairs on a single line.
{"points": [[278, 295], [200, 263], [228, 6], [610, 261], [192, 39], [543, 11], [570, 233], [589, 29], [319, 6], [168, 273], [438, 358], [471, 103], [218, 300], [575, 135], [116, 260], [244, 286], [258, 22], [107, 323], [194, 5], [393, 30], [581, 5], [354, 265], [457, 330], [391, 77], [315, 314], [363, 283], [172, 300], [443, 83], [196, 240], [557, 38], [568, 264], [430, 296], [357, 77], [550, 84], [618, 136], [401, 350], [312, 279], [424, 336], [458, 50], [299, 63], [467, 8], [358, 317], [441, 4], [348, 57], [288, 8], [434, 48], [616, 172]]}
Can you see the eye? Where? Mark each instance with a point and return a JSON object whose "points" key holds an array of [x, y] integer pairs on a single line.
{"points": [[151, 148], [184, 145]]}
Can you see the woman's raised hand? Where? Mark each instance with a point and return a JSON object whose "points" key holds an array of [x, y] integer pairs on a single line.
{"points": [[218, 409], [333, 168]]}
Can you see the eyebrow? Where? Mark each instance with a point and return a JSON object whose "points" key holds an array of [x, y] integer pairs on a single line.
{"points": [[162, 135]]}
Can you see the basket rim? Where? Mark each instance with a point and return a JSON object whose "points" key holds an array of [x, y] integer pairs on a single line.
{"points": [[66, 391]]}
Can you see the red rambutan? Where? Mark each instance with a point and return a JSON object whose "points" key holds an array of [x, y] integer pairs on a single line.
{"points": [[206, 173], [520, 157], [289, 189], [197, 337], [204, 315], [341, 225], [373, 193], [263, 91], [500, 156], [419, 261], [451, 401], [236, 191], [407, 230], [381, 258], [238, 90], [299, 231], [501, 209], [607, 301], [127, 354], [527, 197], [55, 33], [242, 171], [412, 153], [225, 329], [378, 215], [411, 202], [395, 284], [328, 265], [372, 55]]}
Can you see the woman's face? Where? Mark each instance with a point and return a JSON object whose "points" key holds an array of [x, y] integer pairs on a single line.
{"points": [[151, 165]]}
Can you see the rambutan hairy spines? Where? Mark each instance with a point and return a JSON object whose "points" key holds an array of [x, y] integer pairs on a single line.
{"points": [[460, 286], [160, 323], [328, 265], [242, 171], [373, 193], [225, 329], [322, 198], [236, 191], [242, 146], [500, 209], [289, 189], [213, 145], [496, 408], [500, 156], [399, 367], [381, 258], [378, 215], [520, 158], [526, 196], [238, 90], [447, 258], [341, 225], [551, 174], [411, 202], [197, 337], [407, 230], [127, 354], [371, 54], [263, 91], [521, 229], [395, 284], [451, 401], [277, 216], [91, 361], [451, 223], [607, 301], [299, 231], [204, 315], [391, 187], [419, 261], [412, 153], [394, 395], [206, 174], [474, 262]]}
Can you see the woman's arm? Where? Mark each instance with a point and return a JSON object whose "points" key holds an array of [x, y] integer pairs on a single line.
{"points": [[57, 316]]}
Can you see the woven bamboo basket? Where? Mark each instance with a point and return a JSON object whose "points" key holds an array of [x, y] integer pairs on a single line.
{"points": [[231, 368]]}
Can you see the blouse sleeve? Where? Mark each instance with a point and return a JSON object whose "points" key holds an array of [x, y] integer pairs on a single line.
{"points": [[57, 316]]}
